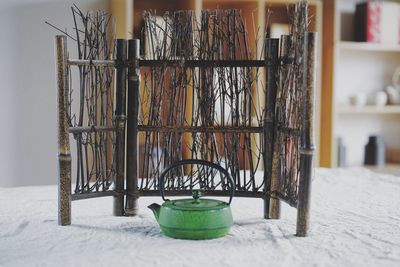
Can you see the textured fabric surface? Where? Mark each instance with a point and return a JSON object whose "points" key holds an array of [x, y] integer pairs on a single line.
{"points": [[355, 222]]}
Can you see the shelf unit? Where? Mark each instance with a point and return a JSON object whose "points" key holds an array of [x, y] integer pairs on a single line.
{"points": [[364, 46], [393, 169], [344, 110], [349, 68]]}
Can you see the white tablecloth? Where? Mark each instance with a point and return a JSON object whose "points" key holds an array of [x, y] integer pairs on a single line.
{"points": [[355, 222]]}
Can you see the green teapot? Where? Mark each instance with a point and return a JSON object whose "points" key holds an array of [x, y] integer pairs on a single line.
{"points": [[194, 218]]}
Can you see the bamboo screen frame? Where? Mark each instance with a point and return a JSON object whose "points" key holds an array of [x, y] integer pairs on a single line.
{"points": [[121, 128]]}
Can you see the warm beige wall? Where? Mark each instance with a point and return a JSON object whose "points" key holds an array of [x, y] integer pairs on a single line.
{"points": [[122, 11]]}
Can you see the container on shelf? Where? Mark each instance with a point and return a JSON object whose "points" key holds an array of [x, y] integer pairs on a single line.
{"points": [[341, 160], [375, 151], [377, 21]]}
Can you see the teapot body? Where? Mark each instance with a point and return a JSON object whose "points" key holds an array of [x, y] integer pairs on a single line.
{"points": [[195, 223]]}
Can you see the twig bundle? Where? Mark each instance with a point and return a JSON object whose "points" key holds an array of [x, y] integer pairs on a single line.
{"points": [[94, 100], [212, 113], [206, 98]]}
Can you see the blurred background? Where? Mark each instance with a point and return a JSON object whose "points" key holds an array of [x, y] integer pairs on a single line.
{"points": [[357, 101]]}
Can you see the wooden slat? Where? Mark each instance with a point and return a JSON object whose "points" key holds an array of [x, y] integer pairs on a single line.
{"points": [[198, 129], [326, 139]]}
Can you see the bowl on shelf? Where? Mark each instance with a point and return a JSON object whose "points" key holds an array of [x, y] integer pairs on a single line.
{"points": [[358, 100], [379, 98]]}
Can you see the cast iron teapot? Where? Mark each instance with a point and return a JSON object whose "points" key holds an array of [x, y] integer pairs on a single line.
{"points": [[194, 218]]}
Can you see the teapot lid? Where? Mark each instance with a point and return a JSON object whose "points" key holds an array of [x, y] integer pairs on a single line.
{"points": [[195, 203]]}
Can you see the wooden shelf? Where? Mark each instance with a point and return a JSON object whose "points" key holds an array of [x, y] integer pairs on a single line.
{"points": [[389, 168], [364, 46], [395, 109]]}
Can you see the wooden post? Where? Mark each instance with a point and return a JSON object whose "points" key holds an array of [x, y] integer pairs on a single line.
{"points": [[307, 135], [120, 119], [272, 61], [64, 154], [132, 128]]}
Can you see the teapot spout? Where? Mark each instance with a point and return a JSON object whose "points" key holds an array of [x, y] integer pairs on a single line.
{"points": [[155, 208]]}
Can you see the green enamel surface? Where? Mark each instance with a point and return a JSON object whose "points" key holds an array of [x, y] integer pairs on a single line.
{"points": [[195, 218], [194, 235]]}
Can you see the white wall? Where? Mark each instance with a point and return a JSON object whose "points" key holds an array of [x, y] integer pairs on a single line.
{"points": [[28, 144]]}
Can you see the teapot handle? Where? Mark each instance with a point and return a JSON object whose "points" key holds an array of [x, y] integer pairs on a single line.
{"points": [[197, 162]]}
